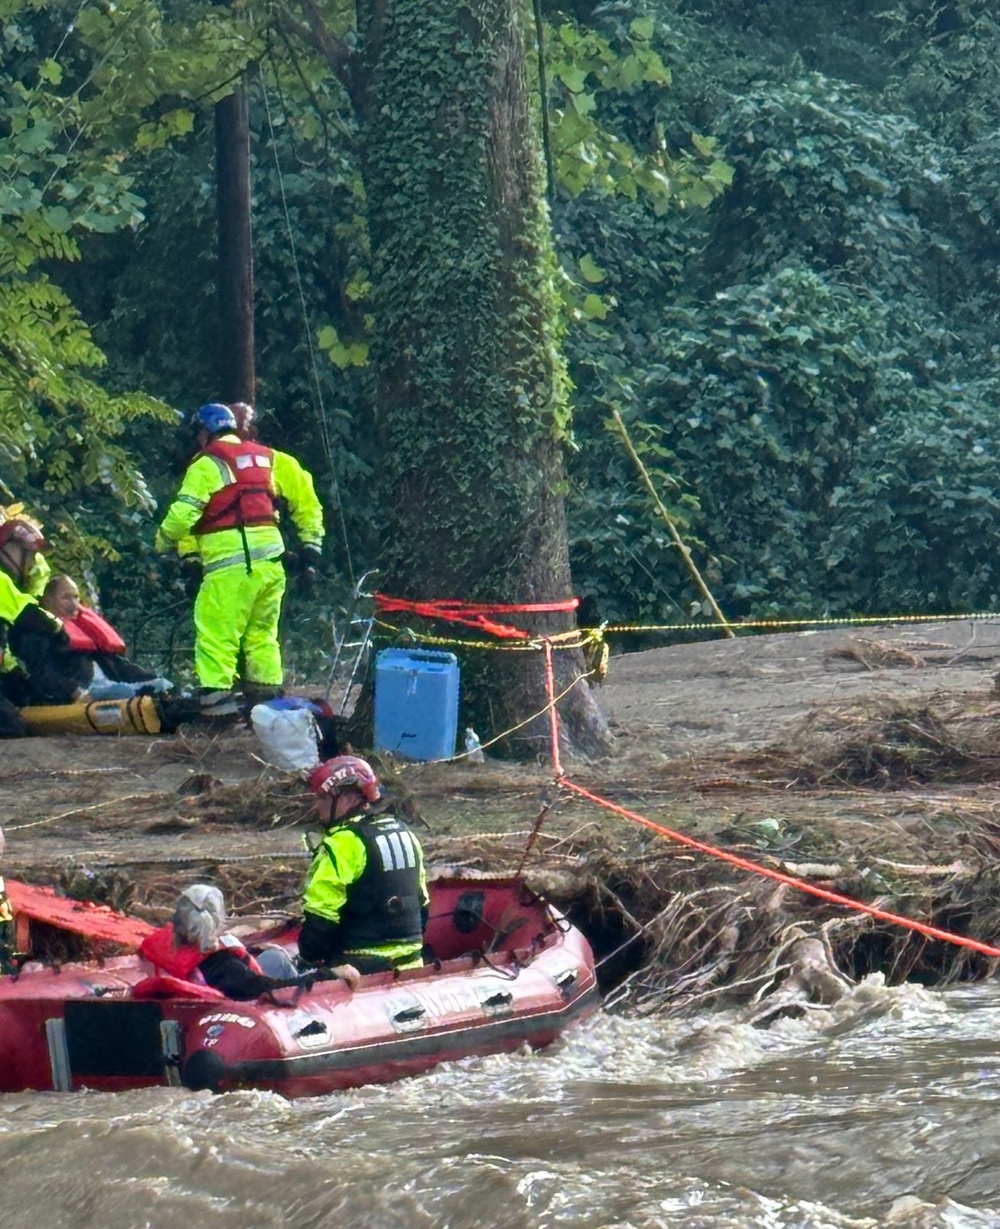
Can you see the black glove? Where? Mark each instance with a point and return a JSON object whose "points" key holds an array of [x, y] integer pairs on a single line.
{"points": [[308, 563], [190, 566]]}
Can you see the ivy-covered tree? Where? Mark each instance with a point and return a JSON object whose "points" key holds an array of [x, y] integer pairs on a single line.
{"points": [[470, 382]]}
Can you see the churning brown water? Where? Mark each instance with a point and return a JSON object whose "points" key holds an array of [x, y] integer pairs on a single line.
{"points": [[884, 1111]]}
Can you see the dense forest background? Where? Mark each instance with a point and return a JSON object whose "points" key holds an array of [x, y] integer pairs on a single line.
{"points": [[776, 225]]}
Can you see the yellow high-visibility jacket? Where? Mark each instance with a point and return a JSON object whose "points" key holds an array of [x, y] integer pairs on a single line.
{"points": [[38, 577], [224, 547], [13, 603]]}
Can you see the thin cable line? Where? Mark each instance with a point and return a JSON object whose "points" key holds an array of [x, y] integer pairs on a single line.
{"points": [[324, 427]]}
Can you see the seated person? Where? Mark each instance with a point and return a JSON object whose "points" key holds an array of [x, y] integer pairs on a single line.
{"points": [[37, 666], [114, 677], [365, 898], [195, 947]]}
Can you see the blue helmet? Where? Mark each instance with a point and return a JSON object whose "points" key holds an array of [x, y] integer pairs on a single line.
{"points": [[213, 418]]}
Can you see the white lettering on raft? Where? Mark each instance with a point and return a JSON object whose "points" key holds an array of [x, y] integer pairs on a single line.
{"points": [[228, 1017]]}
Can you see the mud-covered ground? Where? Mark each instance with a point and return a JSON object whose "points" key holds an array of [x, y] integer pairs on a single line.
{"points": [[859, 757]]}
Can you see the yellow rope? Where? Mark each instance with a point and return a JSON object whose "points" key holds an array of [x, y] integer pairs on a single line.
{"points": [[582, 637], [824, 621]]}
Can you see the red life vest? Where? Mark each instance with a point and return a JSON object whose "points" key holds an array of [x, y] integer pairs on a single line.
{"points": [[161, 951], [90, 633], [248, 496]]}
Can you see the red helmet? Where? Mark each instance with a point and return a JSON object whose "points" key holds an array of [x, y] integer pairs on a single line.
{"points": [[24, 533], [345, 772]]}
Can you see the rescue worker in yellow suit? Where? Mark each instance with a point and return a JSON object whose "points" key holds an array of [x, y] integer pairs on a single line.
{"points": [[226, 505], [37, 665], [304, 564], [365, 898]]}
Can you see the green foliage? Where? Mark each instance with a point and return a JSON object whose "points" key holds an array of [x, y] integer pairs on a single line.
{"points": [[776, 254], [812, 359], [342, 354], [61, 432], [600, 84]]}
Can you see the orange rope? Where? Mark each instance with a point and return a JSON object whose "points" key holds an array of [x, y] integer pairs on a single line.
{"points": [[931, 932], [473, 614]]}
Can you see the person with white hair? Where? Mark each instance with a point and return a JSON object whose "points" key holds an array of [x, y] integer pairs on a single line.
{"points": [[195, 946]]}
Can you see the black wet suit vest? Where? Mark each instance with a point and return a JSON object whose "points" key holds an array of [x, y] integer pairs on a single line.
{"points": [[383, 906]]}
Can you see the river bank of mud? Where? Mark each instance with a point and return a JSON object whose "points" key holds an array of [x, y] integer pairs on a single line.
{"points": [[863, 762]]}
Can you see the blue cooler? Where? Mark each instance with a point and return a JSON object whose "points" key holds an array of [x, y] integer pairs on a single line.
{"points": [[416, 703]]}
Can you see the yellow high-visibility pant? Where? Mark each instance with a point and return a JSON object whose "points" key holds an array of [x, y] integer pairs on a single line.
{"points": [[233, 612]]}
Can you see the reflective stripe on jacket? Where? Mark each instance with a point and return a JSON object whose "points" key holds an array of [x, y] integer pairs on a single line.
{"points": [[224, 547], [368, 877], [12, 600], [13, 603]]}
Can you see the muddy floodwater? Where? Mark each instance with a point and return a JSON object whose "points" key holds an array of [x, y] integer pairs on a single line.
{"points": [[882, 1111]]}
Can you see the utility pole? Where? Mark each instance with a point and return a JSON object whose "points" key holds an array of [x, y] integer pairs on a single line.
{"points": [[232, 177]]}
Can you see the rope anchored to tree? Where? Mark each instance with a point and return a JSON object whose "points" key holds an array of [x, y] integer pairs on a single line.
{"points": [[474, 614]]}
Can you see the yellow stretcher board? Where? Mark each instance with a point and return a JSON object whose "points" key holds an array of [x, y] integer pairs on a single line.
{"points": [[136, 716]]}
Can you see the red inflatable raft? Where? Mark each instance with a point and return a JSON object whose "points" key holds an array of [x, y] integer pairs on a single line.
{"points": [[507, 969]]}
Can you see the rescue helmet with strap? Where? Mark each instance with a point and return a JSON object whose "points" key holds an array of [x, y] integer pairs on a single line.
{"points": [[24, 533], [345, 772], [213, 417], [20, 539]]}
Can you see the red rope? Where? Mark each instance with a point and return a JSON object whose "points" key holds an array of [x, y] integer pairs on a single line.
{"points": [[473, 614], [932, 932]]}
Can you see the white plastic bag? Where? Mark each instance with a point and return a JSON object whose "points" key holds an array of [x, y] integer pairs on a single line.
{"points": [[289, 738], [473, 749]]}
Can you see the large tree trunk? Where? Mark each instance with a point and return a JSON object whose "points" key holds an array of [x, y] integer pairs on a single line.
{"points": [[470, 383]]}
